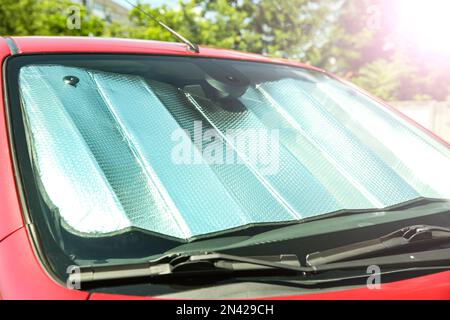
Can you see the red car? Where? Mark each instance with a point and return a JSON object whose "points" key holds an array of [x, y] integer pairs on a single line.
{"points": [[142, 169]]}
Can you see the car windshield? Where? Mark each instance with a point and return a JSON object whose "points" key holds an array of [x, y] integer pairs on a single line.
{"points": [[186, 147]]}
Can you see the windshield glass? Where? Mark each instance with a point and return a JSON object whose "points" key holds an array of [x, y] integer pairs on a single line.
{"points": [[186, 147]]}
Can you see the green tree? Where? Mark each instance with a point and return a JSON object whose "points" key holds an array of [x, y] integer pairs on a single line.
{"points": [[352, 32], [219, 24], [383, 77], [45, 17], [347, 37], [297, 29]]}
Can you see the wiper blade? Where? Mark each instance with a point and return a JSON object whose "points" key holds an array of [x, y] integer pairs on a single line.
{"points": [[405, 237], [186, 264], [178, 266], [182, 264]]}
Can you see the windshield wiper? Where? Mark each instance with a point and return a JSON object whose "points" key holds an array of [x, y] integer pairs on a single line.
{"points": [[405, 237], [187, 264], [183, 265]]}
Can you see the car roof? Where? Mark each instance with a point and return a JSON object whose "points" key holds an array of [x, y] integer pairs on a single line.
{"points": [[40, 44]]}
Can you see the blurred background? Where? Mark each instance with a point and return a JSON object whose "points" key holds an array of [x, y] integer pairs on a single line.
{"points": [[399, 50]]}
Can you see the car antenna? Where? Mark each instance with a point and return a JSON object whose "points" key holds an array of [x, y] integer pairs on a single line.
{"points": [[191, 46]]}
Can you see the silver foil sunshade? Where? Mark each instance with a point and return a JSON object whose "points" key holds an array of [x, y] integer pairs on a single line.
{"points": [[103, 150]]}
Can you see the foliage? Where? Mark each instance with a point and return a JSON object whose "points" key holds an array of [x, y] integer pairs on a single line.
{"points": [[344, 36], [381, 77], [44, 17]]}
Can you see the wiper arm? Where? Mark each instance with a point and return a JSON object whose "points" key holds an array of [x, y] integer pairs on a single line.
{"points": [[185, 264], [182, 264], [408, 236]]}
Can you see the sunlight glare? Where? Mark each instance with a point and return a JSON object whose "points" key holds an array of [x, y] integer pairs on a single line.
{"points": [[426, 23]]}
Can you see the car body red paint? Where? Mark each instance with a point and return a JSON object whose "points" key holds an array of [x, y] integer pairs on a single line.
{"points": [[21, 274], [432, 287], [11, 218]]}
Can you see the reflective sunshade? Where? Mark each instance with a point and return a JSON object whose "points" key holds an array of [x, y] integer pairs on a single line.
{"points": [[192, 152]]}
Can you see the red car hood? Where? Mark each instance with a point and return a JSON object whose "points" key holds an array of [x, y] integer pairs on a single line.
{"points": [[431, 287]]}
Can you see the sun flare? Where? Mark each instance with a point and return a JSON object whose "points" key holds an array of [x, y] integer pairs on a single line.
{"points": [[425, 23]]}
